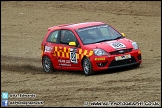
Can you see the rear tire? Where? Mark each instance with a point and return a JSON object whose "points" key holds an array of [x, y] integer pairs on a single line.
{"points": [[87, 67], [47, 65]]}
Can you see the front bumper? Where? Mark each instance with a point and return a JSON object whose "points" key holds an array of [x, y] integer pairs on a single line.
{"points": [[104, 62]]}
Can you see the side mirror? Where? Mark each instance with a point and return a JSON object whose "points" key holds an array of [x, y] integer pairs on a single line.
{"points": [[72, 43], [123, 34]]}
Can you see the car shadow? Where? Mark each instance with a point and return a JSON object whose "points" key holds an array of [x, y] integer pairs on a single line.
{"points": [[108, 71], [116, 70]]}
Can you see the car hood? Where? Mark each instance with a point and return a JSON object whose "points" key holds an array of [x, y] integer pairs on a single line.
{"points": [[113, 45]]}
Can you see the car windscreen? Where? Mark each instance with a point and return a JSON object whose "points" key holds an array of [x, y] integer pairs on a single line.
{"points": [[100, 33]]}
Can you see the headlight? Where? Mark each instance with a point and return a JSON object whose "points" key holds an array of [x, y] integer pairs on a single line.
{"points": [[100, 52], [135, 46]]}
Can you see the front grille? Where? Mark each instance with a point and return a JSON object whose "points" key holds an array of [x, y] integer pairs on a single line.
{"points": [[121, 51], [122, 62]]}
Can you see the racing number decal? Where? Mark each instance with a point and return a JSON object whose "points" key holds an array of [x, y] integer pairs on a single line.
{"points": [[117, 45], [73, 56]]}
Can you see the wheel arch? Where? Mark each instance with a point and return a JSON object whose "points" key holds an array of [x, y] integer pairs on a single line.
{"points": [[50, 57], [83, 59], [92, 72]]}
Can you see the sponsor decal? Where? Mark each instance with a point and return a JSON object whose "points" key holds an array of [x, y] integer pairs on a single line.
{"points": [[91, 28], [64, 62], [47, 49], [99, 59]]}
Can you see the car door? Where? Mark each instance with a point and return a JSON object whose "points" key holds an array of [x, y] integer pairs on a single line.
{"points": [[68, 53]]}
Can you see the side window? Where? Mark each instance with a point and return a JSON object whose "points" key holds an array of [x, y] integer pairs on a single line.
{"points": [[67, 36], [53, 37]]}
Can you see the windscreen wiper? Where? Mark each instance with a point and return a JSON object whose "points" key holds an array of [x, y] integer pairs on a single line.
{"points": [[118, 38], [104, 40]]}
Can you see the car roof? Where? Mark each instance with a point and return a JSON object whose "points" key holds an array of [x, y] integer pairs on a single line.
{"points": [[76, 25]]}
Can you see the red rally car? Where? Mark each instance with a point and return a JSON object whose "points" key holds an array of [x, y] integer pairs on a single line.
{"points": [[88, 47]]}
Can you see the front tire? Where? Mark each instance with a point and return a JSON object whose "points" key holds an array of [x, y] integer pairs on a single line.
{"points": [[47, 65], [87, 67]]}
